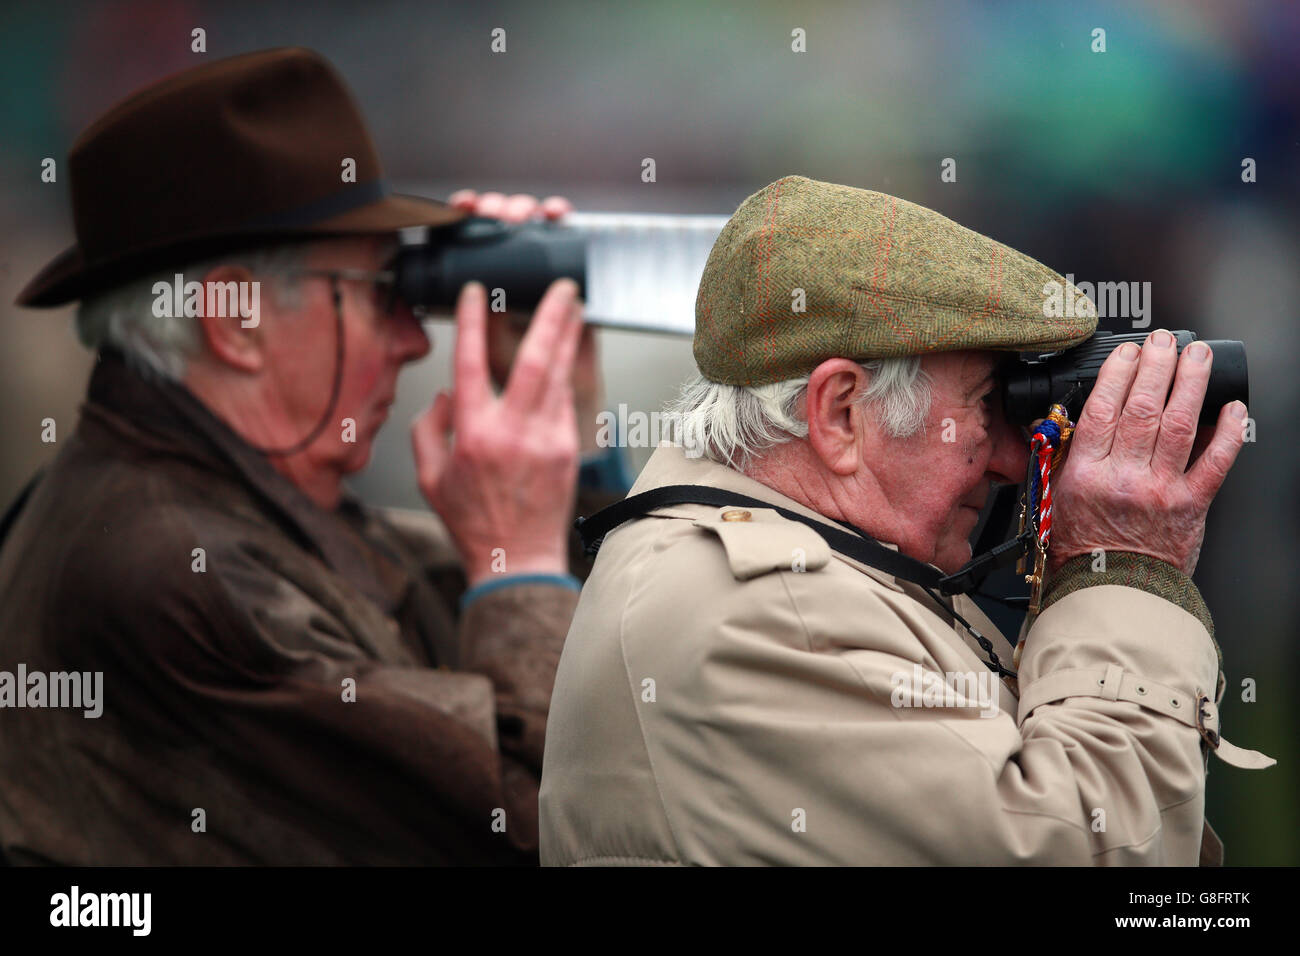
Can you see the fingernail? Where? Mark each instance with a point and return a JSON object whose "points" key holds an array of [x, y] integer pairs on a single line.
{"points": [[1199, 351], [1161, 339], [1238, 410], [1128, 352]]}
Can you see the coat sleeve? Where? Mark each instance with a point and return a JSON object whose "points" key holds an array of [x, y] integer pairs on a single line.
{"points": [[805, 736], [513, 635], [329, 747]]}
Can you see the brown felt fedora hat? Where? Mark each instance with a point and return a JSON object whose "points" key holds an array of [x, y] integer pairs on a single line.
{"points": [[245, 151]]}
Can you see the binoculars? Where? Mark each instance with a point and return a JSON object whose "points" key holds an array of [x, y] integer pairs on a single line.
{"points": [[1032, 383], [521, 261]]}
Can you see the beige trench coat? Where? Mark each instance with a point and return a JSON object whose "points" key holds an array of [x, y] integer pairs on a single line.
{"points": [[733, 692]]}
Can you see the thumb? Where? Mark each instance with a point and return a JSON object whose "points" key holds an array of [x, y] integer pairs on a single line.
{"points": [[430, 443]]}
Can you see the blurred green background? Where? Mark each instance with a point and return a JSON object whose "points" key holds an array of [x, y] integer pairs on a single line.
{"points": [[1117, 166]]}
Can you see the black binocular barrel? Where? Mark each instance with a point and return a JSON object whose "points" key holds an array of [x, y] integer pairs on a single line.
{"points": [[522, 262], [1031, 387]]}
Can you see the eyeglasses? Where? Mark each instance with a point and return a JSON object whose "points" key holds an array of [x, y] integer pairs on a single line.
{"points": [[384, 295]]}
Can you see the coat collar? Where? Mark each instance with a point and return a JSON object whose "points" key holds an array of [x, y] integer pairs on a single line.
{"points": [[154, 418], [669, 465]]}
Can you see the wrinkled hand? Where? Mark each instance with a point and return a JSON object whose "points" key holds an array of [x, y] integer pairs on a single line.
{"points": [[1125, 485], [506, 329], [507, 481]]}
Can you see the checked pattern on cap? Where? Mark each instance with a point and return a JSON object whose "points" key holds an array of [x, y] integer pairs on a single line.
{"points": [[881, 277]]}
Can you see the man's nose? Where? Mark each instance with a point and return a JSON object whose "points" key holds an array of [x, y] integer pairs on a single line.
{"points": [[1010, 458], [411, 342]]}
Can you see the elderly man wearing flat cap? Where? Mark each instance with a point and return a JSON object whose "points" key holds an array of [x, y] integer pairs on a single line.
{"points": [[288, 677], [736, 690]]}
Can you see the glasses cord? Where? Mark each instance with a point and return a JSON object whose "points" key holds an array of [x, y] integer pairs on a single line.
{"points": [[334, 389]]}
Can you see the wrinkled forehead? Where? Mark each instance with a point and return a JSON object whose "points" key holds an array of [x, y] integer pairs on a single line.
{"points": [[966, 369]]}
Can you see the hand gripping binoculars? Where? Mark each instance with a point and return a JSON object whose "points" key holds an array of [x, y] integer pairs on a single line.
{"points": [[1032, 383]]}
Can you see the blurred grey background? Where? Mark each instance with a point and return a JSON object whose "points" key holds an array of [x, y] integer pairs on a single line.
{"points": [[1117, 166]]}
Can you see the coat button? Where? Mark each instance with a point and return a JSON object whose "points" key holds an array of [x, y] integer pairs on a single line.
{"points": [[736, 514]]}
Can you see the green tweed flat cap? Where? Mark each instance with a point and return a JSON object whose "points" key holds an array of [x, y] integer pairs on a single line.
{"points": [[806, 271]]}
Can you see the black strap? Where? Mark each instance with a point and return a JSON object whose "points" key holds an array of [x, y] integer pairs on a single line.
{"points": [[334, 388], [998, 524], [853, 542]]}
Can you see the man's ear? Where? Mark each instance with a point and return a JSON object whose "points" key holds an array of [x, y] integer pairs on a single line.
{"points": [[232, 330], [834, 417]]}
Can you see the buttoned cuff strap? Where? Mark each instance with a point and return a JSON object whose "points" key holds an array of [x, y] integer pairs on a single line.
{"points": [[1199, 711]]}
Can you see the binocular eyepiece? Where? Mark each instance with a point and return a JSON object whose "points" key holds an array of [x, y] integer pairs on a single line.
{"points": [[1032, 383]]}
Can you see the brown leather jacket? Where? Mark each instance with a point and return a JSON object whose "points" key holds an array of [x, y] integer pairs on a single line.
{"points": [[226, 671]]}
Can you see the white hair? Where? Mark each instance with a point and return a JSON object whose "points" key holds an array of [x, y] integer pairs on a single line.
{"points": [[123, 316], [730, 424]]}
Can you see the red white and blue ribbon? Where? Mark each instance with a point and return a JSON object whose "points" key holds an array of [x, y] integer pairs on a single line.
{"points": [[1045, 448]]}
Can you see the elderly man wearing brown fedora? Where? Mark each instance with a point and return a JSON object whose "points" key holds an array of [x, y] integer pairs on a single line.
{"points": [[287, 676], [758, 670]]}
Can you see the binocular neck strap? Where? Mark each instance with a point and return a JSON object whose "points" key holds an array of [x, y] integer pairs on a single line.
{"points": [[848, 540]]}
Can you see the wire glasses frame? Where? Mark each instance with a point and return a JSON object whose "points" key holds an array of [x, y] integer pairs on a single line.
{"points": [[384, 282]]}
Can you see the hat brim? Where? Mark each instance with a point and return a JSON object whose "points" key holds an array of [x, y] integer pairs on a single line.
{"points": [[69, 276]]}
